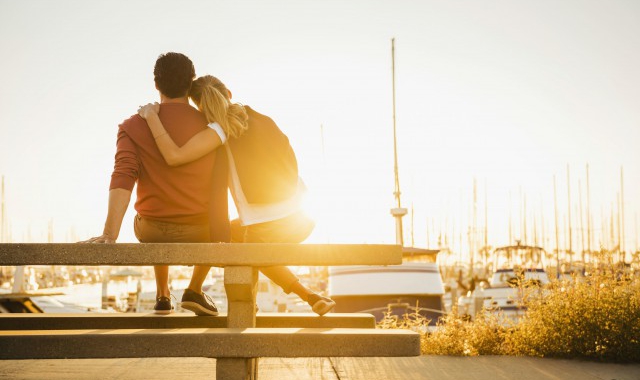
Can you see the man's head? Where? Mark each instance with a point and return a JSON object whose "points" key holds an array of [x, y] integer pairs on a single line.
{"points": [[173, 74]]}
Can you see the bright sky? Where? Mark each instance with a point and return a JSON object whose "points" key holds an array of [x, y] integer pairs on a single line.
{"points": [[509, 93]]}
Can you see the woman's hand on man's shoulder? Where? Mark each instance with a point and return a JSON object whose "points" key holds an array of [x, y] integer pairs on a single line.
{"points": [[148, 109]]}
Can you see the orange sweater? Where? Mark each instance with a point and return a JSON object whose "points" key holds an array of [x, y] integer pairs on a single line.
{"points": [[180, 194]]}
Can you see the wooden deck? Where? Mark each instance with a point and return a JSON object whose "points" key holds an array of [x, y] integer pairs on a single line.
{"points": [[414, 368]]}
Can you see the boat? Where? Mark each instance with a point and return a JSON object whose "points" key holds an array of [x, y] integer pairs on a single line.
{"points": [[40, 303], [26, 297], [515, 268], [415, 286]]}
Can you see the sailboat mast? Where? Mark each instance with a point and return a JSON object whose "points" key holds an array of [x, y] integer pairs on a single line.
{"points": [[524, 218], [396, 192], [472, 232], [555, 212], [583, 246], [510, 220], [622, 235], [569, 215], [636, 228], [486, 226], [588, 214], [397, 212], [3, 222], [412, 236]]}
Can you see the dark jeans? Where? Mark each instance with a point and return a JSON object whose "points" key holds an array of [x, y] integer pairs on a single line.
{"points": [[294, 228]]}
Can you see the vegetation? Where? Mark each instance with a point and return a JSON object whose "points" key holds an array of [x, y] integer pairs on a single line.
{"points": [[596, 317]]}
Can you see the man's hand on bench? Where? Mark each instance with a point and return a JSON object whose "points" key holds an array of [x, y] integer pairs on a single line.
{"points": [[102, 239]]}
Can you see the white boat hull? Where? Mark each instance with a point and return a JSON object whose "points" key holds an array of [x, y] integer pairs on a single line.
{"points": [[394, 288]]}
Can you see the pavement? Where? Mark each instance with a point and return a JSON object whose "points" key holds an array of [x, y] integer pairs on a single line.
{"points": [[418, 368]]}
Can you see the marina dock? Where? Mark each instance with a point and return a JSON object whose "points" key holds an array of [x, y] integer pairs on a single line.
{"points": [[412, 368]]}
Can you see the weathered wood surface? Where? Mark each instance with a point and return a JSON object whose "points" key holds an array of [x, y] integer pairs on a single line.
{"points": [[414, 368]]}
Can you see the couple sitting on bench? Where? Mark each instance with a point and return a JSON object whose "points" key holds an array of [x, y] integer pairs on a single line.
{"points": [[170, 150]]}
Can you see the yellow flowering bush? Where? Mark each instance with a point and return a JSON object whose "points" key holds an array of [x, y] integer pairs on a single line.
{"points": [[596, 317]]}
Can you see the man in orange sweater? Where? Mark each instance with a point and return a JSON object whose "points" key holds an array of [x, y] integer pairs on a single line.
{"points": [[173, 204]]}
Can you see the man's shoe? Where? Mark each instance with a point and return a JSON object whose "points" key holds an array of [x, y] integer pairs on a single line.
{"points": [[201, 304], [163, 306], [319, 304]]}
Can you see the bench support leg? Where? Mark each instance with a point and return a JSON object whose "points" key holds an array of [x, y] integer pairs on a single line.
{"points": [[240, 284], [236, 369]]}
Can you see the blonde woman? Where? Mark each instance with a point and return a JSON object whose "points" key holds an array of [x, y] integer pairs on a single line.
{"points": [[263, 174]]}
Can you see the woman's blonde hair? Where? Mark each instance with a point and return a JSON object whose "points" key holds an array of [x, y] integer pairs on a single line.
{"points": [[212, 98]]}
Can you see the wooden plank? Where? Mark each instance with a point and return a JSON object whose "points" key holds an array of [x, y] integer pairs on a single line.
{"points": [[200, 342], [110, 369], [297, 369], [71, 321], [484, 367], [214, 254]]}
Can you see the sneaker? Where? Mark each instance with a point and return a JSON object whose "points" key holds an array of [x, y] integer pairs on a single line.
{"points": [[319, 304], [163, 306], [201, 304]]}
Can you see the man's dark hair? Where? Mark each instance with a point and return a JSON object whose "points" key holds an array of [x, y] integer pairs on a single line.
{"points": [[173, 74]]}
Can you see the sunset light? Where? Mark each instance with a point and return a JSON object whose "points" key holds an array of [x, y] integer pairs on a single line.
{"points": [[506, 111], [405, 180]]}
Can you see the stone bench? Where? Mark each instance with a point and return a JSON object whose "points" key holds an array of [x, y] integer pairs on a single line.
{"points": [[214, 254], [84, 321], [237, 346], [203, 342]]}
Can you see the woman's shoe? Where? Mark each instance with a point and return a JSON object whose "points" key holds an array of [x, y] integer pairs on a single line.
{"points": [[319, 304]]}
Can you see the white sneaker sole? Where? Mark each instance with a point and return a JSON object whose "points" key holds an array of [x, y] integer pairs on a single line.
{"points": [[196, 308], [162, 312], [322, 307]]}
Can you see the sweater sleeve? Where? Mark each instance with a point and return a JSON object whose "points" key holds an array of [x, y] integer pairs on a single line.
{"points": [[127, 165]]}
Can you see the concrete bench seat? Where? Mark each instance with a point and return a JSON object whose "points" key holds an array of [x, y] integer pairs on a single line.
{"points": [[50, 321], [214, 254], [202, 342]]}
